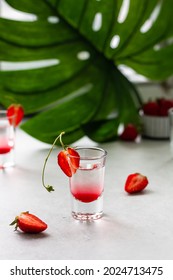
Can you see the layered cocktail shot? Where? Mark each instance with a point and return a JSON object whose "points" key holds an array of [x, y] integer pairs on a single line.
{"points": [[87, 184], [85, 167], [7, 139]]}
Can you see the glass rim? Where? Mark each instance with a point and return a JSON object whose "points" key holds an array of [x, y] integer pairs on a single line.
{"points": [[103, 155], [3, 115]]}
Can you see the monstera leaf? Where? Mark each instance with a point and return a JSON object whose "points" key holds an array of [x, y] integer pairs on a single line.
{"points": [[69, 56]]}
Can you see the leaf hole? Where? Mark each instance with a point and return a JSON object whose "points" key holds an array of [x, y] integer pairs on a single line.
{"points": [[163, 44], [131, 74], [115, 41], [53, 19], [97, 22], [124, 11], [151, 20], [120, 128], [83, 55], [8, 12], [13, 66]]}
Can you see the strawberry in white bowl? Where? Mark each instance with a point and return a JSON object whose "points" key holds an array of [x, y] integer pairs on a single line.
{"points": [[155, 118]]}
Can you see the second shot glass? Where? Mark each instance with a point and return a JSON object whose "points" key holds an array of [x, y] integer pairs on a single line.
{"points": [[7, 140]]}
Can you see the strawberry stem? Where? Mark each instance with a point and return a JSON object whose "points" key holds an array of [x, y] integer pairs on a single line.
{"points": [[60, 139], [48, 187]]}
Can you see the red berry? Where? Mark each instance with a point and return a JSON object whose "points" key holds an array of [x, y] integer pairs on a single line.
{"points": [[164, 106], [17, 111], [129, 133], [151, 108], [68, 160], [29, 223], [135, 182]]}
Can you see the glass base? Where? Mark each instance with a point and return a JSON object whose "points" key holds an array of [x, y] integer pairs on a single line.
{"points": [[86, 216], [7, 160], [87, 211]]}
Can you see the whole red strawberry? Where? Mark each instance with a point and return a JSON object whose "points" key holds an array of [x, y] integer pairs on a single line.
{"points": [[129, 133], [164, 106], [29, 223], [151, 108], [135, 182], [17, 111]]}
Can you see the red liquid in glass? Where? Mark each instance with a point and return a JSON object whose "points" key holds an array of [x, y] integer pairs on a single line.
{"points": [[4, 146], [86, 194]]}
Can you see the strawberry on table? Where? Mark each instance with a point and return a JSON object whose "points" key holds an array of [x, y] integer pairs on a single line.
{"points": [[135, 182], [29, 223], [17, 111], [129, 133]]}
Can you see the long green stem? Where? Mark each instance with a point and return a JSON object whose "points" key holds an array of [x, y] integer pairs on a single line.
{"points": [[48, 187]]}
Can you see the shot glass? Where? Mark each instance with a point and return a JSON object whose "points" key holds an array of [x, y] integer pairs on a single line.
{"points": [[87, 184], [7, 140]]}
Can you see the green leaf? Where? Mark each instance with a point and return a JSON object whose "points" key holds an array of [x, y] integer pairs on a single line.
{"points": [[66, 63], [103, 130]]}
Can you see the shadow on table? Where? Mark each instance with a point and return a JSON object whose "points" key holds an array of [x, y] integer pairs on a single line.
{"points": [[31, 236]]}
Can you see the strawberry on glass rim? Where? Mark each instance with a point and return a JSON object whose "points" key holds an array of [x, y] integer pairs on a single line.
{"points": [[17, 111], [68, 160]]}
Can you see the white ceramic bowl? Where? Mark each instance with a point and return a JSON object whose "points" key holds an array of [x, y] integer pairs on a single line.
{"points": [[156, 127]]}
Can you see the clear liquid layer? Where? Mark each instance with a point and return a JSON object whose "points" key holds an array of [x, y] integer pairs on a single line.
{"points": [[87, 185]]}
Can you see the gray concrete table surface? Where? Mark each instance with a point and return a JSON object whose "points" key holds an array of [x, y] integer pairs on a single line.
{"points": [[133, 226]]}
